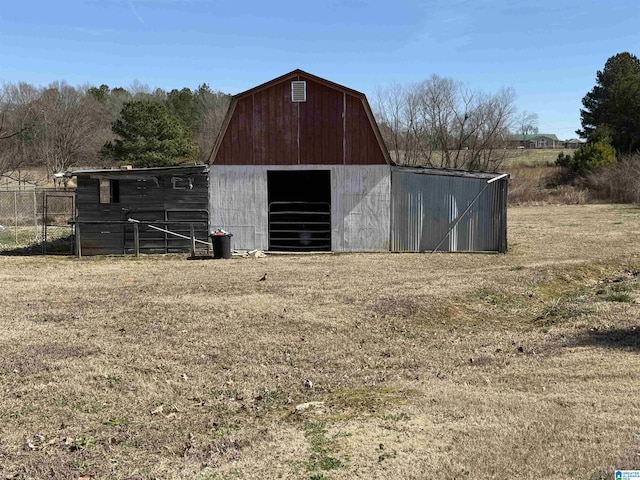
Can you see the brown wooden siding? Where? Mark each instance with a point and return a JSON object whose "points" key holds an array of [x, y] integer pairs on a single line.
{"points": [[146, 198], [267, 128]]}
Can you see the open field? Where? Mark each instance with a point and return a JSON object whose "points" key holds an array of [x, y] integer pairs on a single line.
{"points": [[513, 157], [533, 157], [444, 366]]}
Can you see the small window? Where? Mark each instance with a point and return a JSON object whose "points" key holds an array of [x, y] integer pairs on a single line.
{"points": [[109, 191], [298, 91], [180, 183], [115, 191]]}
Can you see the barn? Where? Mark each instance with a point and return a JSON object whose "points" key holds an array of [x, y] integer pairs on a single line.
{"points": [[300, 166]]}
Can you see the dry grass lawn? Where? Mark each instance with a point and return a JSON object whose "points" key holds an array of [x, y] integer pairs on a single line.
{"points": [[384, 366], [534, 157]]}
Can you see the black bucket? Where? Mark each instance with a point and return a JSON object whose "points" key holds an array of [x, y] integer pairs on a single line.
{"points": [[221, 245]]}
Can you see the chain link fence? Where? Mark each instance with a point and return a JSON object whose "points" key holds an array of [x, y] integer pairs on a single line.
{"points": [[36, 219]]}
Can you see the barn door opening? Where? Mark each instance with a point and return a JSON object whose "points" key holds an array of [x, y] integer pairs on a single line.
{"points": [[299, 210]]}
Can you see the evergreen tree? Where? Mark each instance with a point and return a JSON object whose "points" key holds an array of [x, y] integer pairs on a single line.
{"points": [[614, 103], [181, 103], [101, 93], [590, 157], [149, 136]]}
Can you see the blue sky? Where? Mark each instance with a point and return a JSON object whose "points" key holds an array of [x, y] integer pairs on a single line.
{"points": [[547, 51]]}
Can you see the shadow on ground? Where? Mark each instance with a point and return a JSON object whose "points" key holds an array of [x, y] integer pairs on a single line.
{"points": [[63, 246], [622, 338], [60, 246]]}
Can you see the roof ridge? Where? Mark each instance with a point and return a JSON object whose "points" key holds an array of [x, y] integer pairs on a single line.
{"points": [[294, 73]]}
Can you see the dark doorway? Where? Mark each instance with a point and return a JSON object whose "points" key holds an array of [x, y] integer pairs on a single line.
{"points": [[299, 210]]}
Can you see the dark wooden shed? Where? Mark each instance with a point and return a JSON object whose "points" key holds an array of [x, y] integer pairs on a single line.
{"points": [[172, 198]]}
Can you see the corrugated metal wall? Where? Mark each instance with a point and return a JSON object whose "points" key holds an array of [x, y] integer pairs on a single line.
{"points": [[360, 199], [425, 206]]}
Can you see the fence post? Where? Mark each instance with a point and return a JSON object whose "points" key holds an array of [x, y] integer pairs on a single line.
{"points": [[15, 212], [136, 239], [44, 222], [193, 242], [35, 216], [78, 243]]}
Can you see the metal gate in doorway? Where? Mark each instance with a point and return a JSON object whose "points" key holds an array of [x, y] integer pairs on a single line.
{"points": [[299, 203], [299, 226]]}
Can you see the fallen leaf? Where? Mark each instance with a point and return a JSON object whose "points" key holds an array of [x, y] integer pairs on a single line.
{"points": [[158, 410]]}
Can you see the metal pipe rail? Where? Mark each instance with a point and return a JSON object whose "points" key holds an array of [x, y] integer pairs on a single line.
{"points": [[136, 231], [299, 225]]}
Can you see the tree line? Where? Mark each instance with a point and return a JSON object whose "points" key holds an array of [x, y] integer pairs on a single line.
{"points": [[438, 122], [62, 126]]}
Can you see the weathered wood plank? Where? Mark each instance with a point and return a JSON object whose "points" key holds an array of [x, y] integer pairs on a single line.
{"points": [[155, 198]]}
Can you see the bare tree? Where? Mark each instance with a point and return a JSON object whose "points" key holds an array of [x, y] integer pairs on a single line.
{"points": [[139, 90], [526, 123], [4, 135], [401, 125], [18, 120], [211, 108], [73, 127], [388, 105], [486, 149], [10, 160], [443, 123], [447, 108]]}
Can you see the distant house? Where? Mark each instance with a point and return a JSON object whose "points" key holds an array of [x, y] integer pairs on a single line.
{"points": [[573, 143], [537, 140]]}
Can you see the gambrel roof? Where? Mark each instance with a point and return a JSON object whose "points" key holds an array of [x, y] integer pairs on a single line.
{"points": [[334, 124]]}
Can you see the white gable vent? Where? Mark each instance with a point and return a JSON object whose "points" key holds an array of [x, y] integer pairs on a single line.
{"points": [[298, 91]]}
